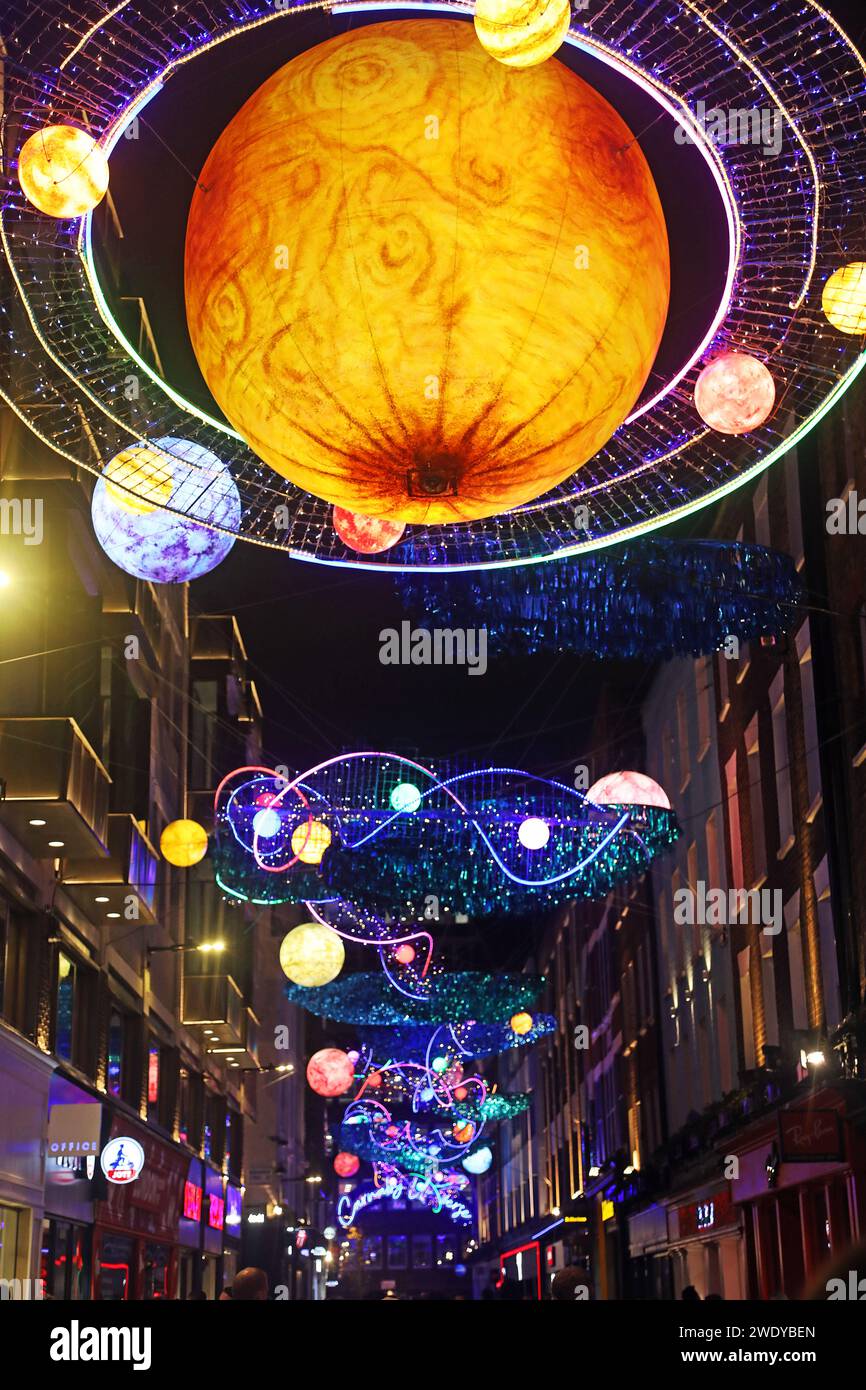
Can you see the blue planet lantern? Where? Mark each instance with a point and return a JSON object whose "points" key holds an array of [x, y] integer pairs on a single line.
{"points": [[137, 531]]}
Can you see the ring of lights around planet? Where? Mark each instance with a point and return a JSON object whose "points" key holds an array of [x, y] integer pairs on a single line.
{"points": [[793, 217]]}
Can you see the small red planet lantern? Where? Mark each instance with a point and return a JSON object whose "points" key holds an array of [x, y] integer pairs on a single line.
{"points": [[735, 393], [330, 1072], [346, 1165], [374, 1080], [369, 535], [461, 1093], [405, 954]]}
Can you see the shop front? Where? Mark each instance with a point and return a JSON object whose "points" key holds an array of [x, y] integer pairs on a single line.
{"points": [[189, 1234], [25, 1075], [214, 1219], [232, 1232], [136, 1224], [77, 1123], [801, 1188], [706, 1243]]}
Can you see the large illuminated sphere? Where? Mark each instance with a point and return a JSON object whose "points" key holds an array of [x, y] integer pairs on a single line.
{"points": [[844, 298], [735, 393], [405, 312], [478, 1162], [346, 1165], [312, 954], [329, 1072], [166, 547], [533, 833], [267, 823], [405, 797], [522, 33], [627, 789], [369, 535], [310, 839], [183, 843], [62, 171]]}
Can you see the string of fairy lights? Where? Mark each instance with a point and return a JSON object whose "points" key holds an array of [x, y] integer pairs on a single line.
{"points": [[789, 174]]}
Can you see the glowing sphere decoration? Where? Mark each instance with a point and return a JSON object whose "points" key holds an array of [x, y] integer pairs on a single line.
{"points": [[266, 823], [478, 1162], [628, 789], [183, 843], [346, 1165], [312, 954], [166, 547], [329, 1072], [735, 393], [310, 839], [521, 1023], [844, 298], [405, 954], [533, 833], [62, 171], [496, 304], [463, 1132], [405, 797], [439, 1064], [369, 535], [374, 1080], [522, 33]]}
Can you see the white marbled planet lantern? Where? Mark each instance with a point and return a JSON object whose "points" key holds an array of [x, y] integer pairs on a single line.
{"points": [[134, 527], [627, 789]]}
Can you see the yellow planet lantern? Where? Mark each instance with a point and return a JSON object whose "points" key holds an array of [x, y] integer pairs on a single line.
{"points": [[62, 171], [312, 954], [140, 479], [522, 33], [310, 839], [183, 843], [844, 298], [403, 312], [521, 1023]]}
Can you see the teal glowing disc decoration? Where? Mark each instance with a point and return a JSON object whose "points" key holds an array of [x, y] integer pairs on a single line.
{"points": [[405, 797], [167, 512]]}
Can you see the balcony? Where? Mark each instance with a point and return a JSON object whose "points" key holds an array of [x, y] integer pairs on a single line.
{"points": [[124, 884], [53, 789], [230, 1029]]}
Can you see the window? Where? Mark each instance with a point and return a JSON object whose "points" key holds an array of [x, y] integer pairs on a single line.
{"points": [[799, 1009], [761, 512], [704, 693], [746, 1008], [782, 763], [735, 842], [810, 722], [792, 507], [756, 803], [422, 1252], [116, 1043], [827, 939], [64, 1027], [153, 1061], [398, 1252]]}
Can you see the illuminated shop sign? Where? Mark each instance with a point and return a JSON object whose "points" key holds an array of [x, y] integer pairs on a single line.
{"points": [[74, 1130], [216, 1212], [192, 1201], [233, 1206], [122, 1160]]}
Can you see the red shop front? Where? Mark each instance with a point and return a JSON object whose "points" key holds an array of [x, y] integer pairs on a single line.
{"points": [[136, 1227], [802, 1189]]}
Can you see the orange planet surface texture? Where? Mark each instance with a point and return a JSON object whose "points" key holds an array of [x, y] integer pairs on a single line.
{"points": [[422, 285]]}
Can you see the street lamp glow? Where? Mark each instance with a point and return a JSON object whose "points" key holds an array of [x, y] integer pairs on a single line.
{"points": [[211, 946], [5, 579]]}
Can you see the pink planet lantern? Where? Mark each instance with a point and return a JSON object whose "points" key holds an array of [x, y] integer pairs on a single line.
{"points": [[330, 1072], [346, 1165], [735, 393], [405, 954], [627, 789], [369, 535]]}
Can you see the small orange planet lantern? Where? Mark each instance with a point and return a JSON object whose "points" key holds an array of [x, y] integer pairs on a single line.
{"points": [[369, 535], [62, 171], [463, 1132], [374, 1080], [435, 367], [735, 393], [346, 1165], [405, 954], [330, 1072], [521, 1023]]}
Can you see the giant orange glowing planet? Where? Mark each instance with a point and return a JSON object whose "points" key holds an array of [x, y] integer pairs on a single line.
{"points": [[422, 285]]}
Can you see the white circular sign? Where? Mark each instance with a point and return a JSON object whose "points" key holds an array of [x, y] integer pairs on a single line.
{"points": [[122, 1160]]}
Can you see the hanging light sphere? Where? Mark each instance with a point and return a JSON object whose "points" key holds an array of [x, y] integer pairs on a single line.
{"points": [[266, 823], [183, 843], [62, 171], [312, 954], [149, 542], [479, 1162], [844, 298], [463, 1132], [533, 833], [466, 424], [310, 839], [346, 1165], [627, 789], [374, 1080], [521, 1023], [329, 1072], [461, 1093], [405, 797], [405, 954], [735, 393], [522, 33], [369, 535]]}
